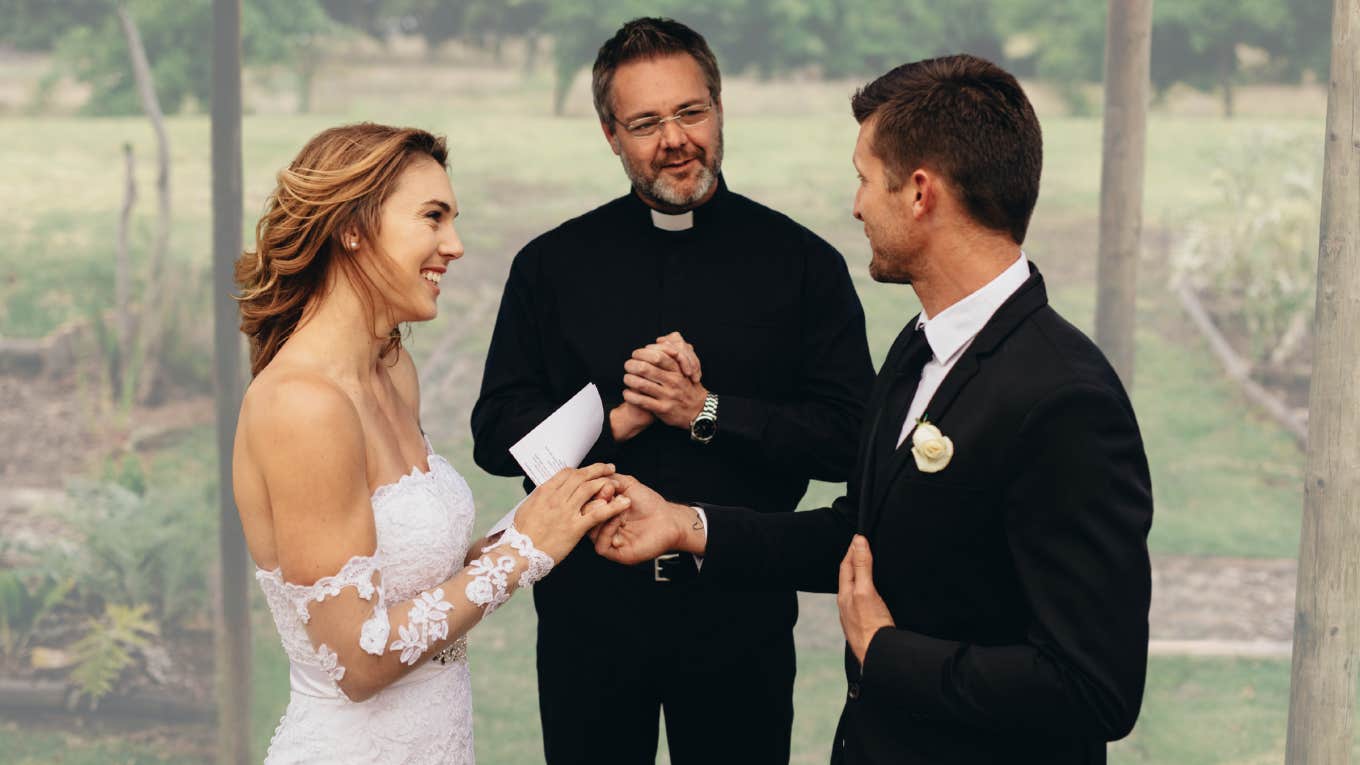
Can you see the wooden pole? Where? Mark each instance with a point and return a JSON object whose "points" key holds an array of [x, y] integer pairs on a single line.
{"points": [[1322, 692], [1128, 39], [233, 613]]}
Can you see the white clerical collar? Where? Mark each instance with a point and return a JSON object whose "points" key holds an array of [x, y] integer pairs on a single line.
{"points": [[682, 222], [958, 324]]}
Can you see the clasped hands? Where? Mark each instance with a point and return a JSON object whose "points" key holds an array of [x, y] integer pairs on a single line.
{"points": [[661, 383], [652, 526]]}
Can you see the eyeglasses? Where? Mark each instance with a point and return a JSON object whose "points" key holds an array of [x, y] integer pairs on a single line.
{"points": [[690, 116]]}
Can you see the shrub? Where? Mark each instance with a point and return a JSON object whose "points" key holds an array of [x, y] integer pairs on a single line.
{"points": [[1254, 251]]}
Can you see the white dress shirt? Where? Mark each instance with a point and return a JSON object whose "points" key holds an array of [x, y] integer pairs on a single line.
{"points": [[950, 333]]}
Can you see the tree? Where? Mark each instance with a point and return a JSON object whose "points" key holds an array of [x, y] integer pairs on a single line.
{"points": [[171, 32], [578, 31], [436, 21], [839, 37], [1066, 40], [232, 620], [1307, 40], [295, 36], [1212, 30], [151, 325], [1193, 41], [1121, 179], [371, 17], [38, 24], [1326, 622]]}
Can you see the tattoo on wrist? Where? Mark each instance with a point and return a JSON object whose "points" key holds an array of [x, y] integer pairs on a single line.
{"points": [[698, 524]]}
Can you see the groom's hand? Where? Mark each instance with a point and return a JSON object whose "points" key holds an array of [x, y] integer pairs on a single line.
{"points": [[652, 526], [863, 612]]}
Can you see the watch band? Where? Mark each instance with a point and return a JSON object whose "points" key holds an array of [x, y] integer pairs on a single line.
{"points": [[710, 409], [709, 413]]}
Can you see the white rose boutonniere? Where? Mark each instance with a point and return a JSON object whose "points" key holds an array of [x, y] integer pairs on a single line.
{"points": [[932, 449]]}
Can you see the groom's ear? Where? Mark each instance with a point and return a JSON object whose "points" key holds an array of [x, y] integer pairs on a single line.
{"points": [[922, 192]]}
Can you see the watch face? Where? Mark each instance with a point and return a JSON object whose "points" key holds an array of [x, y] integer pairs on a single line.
{"points": [[705, 428]]}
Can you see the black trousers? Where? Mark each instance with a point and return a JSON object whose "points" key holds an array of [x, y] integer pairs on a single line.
{"points": [[616, 647]]}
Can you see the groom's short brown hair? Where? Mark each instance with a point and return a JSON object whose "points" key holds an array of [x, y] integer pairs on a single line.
{"points": [[967, 119]]}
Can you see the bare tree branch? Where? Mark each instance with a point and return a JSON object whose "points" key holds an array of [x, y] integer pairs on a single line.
{"points": [[152, 328]]}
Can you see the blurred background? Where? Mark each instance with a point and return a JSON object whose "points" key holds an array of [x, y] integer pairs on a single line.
{"points": [[108, 479]]}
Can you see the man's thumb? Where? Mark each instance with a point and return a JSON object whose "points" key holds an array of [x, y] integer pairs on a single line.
{"points": [[861, 557]]}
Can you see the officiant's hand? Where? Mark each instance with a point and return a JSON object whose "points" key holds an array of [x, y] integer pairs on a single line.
{"points": [[863, 612], [650, 527], [627, 420], [679, 349], [657, 382]]}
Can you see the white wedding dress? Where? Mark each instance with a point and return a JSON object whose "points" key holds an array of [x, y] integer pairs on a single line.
{"points": [[424, 525]]}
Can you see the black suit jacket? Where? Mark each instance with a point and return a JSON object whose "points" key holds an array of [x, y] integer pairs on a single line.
{"points": [[1017, 577]]}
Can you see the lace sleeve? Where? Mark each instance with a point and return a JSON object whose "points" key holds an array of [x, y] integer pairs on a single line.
{"points": [[363, 643]]}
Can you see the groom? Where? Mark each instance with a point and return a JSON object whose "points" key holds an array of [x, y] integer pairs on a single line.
{"points": [[990, 556]]}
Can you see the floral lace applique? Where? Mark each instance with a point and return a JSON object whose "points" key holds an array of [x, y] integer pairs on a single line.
{"points": [[358, 572], [540, 563], [373, 633], [489, 585], [330, 663], [427, 622]]}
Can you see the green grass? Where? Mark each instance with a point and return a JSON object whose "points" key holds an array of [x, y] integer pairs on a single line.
{"points": [[22, 743], [1211, 712]]}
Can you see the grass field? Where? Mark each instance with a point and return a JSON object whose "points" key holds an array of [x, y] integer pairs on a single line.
{"points": [[1225, 480]]}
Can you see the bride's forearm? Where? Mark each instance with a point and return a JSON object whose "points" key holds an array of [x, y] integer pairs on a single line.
{"points": [[475, 549], [395, 639]]}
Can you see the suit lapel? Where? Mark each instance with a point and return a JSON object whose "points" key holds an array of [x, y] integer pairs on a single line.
{"points": [[868, 465], [1030, 297]]}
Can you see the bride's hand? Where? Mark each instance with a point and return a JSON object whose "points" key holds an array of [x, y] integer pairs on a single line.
{"points": [[560, 511]]}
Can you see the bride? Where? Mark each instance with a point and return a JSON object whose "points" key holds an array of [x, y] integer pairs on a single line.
{"points": [[360, 531]]}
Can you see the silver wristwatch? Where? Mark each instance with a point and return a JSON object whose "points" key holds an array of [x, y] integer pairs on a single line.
{"points": [[704, 426]]}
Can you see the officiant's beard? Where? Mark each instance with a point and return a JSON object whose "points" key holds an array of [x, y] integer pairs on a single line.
{"points": [[656, 187]]}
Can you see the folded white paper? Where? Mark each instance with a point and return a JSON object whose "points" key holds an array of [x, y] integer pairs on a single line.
{"points": [[563, 439]]}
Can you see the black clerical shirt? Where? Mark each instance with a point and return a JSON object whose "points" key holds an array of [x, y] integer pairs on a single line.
{"points": [[768, 306]]}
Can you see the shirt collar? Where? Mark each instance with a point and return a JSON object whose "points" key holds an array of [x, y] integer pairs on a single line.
{"points": [[667, 222], [692, 219], [958, 324]]}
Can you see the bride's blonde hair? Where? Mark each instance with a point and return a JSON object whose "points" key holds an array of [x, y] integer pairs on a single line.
{"points": [[338, 182]]}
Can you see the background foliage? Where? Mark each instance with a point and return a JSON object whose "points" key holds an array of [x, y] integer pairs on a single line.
{"points": [[1206, 44]]}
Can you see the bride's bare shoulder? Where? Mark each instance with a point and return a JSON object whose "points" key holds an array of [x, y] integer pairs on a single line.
{"points": [[287, 409], [299, 471]]}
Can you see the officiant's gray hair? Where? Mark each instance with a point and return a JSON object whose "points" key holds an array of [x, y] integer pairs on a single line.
{"points": [[647, 38]]}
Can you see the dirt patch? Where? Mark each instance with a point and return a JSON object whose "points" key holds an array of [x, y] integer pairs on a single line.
{"points": [[54, 429], [45, 433]]}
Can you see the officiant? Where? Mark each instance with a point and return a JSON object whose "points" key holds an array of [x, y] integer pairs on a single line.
{"points": [[728, 345]]}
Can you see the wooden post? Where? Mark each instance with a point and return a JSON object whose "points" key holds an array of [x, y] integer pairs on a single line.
{"points": [[1327, 611], [233, 613], [1128, 39]]}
